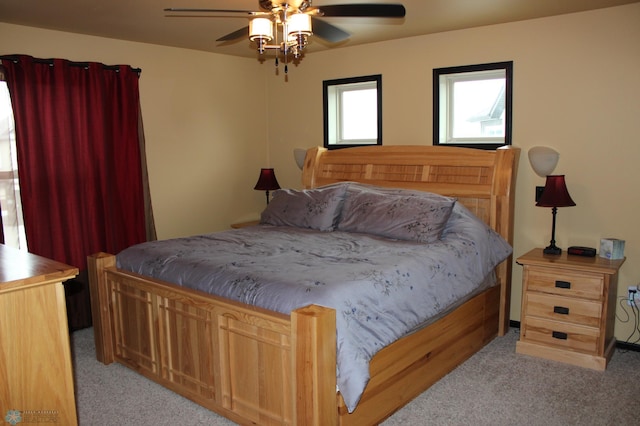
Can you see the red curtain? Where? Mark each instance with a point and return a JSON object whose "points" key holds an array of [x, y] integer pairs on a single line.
{"points": [[79, 159]]}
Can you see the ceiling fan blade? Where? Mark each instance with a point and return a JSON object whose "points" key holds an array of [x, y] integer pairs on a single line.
{"points": [[363, 10], [328, 32], [242, 32], [188, 10]]}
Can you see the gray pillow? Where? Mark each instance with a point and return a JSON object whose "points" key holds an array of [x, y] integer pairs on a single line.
{"points": [[317, 208], [395, 213]]}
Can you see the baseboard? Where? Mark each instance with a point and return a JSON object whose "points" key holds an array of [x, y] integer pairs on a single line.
{"points": [[635, 347], [628, 346]]}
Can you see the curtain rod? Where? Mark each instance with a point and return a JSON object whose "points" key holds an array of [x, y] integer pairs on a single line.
{"points": [[16, 58]]}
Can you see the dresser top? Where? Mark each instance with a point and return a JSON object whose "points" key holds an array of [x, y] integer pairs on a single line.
{"points": [[19, 269], [570, 261]]}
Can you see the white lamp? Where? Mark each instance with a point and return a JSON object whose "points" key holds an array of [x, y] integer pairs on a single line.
{"points": [[543, 160], [299, 154]]}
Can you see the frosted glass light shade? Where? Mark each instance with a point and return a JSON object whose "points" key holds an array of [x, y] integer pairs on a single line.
{"points": [[299, 23], [299, 155], [260, 28], [543, 160]]}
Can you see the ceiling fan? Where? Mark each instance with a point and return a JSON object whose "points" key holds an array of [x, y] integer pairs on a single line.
{"points": [[297, 20]]}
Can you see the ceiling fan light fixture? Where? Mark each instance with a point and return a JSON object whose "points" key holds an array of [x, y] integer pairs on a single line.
{"points": [[260, 30], [299, 24], [298, 29]]}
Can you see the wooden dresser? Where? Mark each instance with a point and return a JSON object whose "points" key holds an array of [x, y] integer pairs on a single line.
{"points": [[36, 378], [568, 308]]}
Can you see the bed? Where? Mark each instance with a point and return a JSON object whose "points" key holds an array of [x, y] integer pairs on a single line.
{"points": [[256, 365]]}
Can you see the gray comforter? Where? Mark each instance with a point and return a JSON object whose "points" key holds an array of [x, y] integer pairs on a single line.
{"points": [[380, 288]]}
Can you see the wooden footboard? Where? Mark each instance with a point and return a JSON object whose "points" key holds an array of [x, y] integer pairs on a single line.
{"points": [[248, 364], [255, 366]]}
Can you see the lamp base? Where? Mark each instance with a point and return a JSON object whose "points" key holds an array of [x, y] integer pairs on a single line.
{"points": [[552, 250]]}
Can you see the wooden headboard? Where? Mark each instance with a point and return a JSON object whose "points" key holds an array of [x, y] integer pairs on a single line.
{"points": [[482, 180]]}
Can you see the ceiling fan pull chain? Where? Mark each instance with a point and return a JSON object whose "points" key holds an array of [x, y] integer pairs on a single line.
{"points": [[276, 61], [286, 68]]}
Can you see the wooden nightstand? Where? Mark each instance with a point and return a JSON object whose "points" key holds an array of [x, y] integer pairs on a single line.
{"points": [[244, 224], [568, 308]]}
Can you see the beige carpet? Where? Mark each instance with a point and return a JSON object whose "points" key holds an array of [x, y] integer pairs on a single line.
{"points": [[495, 387]]}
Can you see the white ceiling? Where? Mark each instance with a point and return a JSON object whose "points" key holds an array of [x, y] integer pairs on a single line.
{"points": [[145, 21]]}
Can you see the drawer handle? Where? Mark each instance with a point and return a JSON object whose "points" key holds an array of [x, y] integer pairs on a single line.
{"points": [[559, 335], [561, 310], [563, 284]]}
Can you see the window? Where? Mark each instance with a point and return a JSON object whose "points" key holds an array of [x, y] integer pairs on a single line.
{"points": [[472, 105], [10, 205], [352, 111]]}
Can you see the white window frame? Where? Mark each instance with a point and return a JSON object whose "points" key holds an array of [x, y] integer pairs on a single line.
{"points": [[444, 80], [334, 116]]}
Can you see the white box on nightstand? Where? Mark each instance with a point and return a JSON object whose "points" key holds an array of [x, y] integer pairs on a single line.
{"points": [[612, 248]]}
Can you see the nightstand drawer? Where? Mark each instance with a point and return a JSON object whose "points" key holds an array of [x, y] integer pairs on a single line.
{"points": [[576, 311], [566, 283], [562, 335]]}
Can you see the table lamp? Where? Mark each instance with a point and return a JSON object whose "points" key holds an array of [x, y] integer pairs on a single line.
{"points": [[267, 182], [554, 195]]}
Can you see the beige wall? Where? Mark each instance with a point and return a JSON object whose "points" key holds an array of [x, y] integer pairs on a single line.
{"points": [[203, 157], [575, 89]]}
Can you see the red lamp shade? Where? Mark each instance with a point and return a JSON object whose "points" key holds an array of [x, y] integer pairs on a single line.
{"points": [[267, 182], [555, 193]]}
